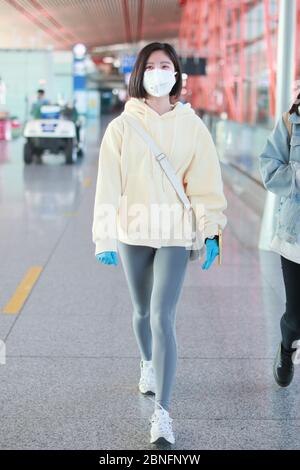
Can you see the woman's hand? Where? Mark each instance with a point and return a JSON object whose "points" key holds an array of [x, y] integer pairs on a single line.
{"points": [[212, 251], [108, 257]]}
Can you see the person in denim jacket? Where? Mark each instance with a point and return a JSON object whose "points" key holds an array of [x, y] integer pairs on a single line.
{"points": [[280, 171]]}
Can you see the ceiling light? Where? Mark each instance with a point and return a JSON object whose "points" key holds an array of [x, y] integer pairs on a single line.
{"points": [[79, 51]]}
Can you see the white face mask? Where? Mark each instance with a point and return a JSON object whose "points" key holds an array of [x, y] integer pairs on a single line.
{"points": [[159, 82]]}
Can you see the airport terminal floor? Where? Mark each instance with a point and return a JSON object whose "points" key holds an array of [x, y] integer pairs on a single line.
{"points": [[72, 363]]}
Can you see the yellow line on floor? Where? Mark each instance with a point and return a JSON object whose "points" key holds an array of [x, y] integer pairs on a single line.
{"points": [[69, 214], [87, 182], [23, 290]]}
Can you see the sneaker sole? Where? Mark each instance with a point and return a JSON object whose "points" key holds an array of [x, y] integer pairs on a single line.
{"points": [[281, 384], [161, 441], [149, 392]]}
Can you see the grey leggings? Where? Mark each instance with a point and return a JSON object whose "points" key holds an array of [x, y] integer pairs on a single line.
{"points": [[155, 277]]}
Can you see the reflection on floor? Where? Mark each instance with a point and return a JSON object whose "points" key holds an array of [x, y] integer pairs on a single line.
{"points": [[72, 364]]}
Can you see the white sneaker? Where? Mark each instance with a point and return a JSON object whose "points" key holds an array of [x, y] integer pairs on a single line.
{"points": [[147, 381], [161, 427]]}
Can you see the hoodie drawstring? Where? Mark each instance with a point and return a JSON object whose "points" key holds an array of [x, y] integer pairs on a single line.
{"points": [[171, 148], [151, 157]]}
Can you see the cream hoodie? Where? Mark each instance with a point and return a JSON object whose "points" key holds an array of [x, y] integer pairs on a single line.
{"points": [[132, 188]]}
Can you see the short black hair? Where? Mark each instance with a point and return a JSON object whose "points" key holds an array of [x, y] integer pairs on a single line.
{"points": [[42, 92], [294, 107], [135, 87]]}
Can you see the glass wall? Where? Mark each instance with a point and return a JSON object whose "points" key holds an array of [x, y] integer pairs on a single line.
{"points": [[239, 40], [237, 95]]}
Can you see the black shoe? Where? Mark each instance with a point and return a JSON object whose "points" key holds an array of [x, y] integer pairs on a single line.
{"points": [[283, 368]]}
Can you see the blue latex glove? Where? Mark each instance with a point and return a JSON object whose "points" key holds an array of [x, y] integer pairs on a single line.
{"points": [[108, 257], [212, 251]]}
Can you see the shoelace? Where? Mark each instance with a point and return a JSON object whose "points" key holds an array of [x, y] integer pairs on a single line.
{"points": [[163, 424], [166, 421], [145, 374], [143, 381]]}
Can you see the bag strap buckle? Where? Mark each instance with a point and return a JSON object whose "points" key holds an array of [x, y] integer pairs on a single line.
{"points": [[160, 156]]}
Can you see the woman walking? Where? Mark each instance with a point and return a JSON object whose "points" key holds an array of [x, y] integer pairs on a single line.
{"points": [[129, 176], [280, 170]]}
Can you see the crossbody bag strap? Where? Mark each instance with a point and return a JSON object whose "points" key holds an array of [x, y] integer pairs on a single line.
{"points": [[162, 159]]}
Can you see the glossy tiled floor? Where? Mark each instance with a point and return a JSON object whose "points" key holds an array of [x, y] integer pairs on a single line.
{"points": [[72, 365]]}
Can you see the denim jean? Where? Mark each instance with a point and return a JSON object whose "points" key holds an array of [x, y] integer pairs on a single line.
{"points": [[290, 321]]}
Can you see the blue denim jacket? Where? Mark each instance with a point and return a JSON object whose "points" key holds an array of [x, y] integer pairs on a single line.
{"points": [[279, 163]]}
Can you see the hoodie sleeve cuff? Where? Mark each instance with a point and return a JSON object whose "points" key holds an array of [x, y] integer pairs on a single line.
{"points": [[106, 245], [211, 231]]}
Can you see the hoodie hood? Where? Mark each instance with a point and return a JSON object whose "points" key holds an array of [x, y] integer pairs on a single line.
{"points": [[138, 108], [152, 121], [166, 128]]}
